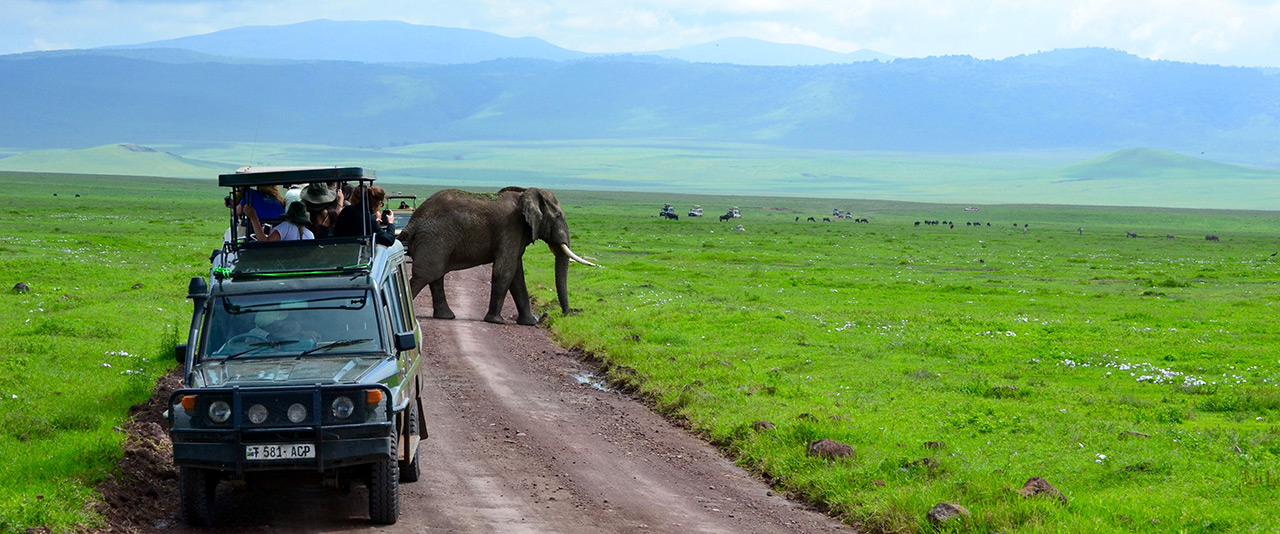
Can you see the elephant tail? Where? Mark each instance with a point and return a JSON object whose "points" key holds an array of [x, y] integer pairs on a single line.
{"points": [[406, 236]]}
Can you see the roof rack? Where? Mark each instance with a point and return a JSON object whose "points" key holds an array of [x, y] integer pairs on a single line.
{"points": [[255, 176]]}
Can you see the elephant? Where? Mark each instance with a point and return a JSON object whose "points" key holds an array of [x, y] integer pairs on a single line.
{"points": [[454, 230]]}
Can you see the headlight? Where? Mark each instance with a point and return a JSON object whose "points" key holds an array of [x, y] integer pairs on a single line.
{"points": [[297, 413], [219, 411], [343, 407], [257, 414]]}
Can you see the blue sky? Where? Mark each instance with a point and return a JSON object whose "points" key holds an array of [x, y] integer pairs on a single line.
{"points": [[1227, 32]]}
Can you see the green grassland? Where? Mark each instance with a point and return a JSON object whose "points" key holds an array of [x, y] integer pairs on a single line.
{"points": [[1137, 375], [1026, 354], [1131, 177], [84, 344]]}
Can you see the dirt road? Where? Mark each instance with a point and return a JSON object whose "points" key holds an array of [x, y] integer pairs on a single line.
{"points": [[524, 439]]}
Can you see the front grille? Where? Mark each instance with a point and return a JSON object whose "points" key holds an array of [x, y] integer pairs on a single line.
{"points": [[317, 400]]}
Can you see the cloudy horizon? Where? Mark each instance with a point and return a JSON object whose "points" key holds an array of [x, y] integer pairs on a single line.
{"points": [[1225, 32]]}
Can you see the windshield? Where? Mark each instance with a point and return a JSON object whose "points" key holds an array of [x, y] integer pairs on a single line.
{"points": [[294, 324]]}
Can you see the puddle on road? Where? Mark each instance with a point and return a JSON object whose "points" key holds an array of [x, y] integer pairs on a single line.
{"points": [[591, 379]]}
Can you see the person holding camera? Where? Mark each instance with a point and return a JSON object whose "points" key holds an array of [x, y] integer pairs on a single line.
{"points": [[362, 217]]}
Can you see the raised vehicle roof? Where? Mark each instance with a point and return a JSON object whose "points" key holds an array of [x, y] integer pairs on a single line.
{"points": [[255, 176]]}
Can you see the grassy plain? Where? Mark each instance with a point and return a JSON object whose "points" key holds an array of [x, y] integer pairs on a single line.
{"points": [[84, 344], [1137, 375], [1133, 177], [1042, 353]]}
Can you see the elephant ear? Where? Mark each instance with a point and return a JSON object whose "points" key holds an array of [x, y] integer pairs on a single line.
{"points": [[531, 207]]}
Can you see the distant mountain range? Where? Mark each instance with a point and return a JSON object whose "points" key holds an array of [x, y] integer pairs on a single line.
{"points": [[400, 42], [383, 84]]}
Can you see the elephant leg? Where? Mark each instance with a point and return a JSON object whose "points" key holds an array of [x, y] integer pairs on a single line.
{"points": [[439, 305], [520, 294], [498, 288]]}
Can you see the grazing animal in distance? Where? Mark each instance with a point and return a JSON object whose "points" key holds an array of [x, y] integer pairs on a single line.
{"points": [[1211, 237], [1081, 230], [826, 219], [1131, 234], [1168, 236], [725, 217], [21, 287], [811, 219], [797, 218]]}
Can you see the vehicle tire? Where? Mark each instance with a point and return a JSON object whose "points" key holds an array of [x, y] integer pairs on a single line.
{"points": [[384, 488], [411, 470], [198, 489]]}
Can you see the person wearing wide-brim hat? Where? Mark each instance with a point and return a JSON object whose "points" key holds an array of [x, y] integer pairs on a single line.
{"points": [[293, 227], [318, 194], [324, 201]]}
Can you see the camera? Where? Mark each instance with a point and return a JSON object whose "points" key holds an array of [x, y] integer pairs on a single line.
{"points": [[226, 201]]}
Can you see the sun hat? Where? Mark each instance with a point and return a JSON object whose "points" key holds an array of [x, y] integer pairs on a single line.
{"points": [[297, 214], [318, 194]]}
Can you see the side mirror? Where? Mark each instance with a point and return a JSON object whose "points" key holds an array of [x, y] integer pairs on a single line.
{"points": [[180, 352], [406, 341]]}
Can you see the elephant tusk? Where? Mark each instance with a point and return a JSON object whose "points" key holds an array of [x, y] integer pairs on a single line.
{"points": [[575, 257]]}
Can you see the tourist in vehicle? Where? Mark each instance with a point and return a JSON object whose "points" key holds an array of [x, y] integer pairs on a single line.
{"points": [[293, 227], [362, 217], [265, 199], [324, 202]]}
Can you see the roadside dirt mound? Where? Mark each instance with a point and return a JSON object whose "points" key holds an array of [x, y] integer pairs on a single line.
{"points": [[145, 493]]}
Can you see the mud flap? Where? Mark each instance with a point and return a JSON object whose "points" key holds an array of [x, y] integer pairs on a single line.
{"points": [[409, 440]]}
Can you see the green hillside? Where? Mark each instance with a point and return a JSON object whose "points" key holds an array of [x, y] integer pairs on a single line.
{"points": [[123, 159], [1148, 162], [1131, 177]]}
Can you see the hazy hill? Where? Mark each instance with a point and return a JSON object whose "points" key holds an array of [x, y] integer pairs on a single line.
{"points": [[122, 159], [370, 42], [1100, 100], [746, 51], [400, 42], [1139, 163]]}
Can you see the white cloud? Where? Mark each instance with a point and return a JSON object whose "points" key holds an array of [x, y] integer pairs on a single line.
{"points": [[1211, 31]]}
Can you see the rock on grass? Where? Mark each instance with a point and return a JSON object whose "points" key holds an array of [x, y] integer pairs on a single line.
{"points": [[830, 449], [945, 511], [1039, 486]]}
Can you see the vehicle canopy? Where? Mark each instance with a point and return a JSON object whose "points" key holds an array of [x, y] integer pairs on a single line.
{"points": [[248, 177]]}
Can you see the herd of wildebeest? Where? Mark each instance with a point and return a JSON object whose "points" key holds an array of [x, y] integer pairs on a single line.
{"points": [[839, 215]]}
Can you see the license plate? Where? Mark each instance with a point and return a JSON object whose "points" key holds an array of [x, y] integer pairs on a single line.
{"points": [[294, 451]]}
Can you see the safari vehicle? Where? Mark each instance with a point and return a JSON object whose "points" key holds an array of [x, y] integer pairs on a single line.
{"points": [[695, 211], [402, 206], [301, 366]]}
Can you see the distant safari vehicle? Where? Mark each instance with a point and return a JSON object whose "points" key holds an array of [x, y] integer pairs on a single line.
{"points": [[668, 212], [734, 213], [695, 211], [402, 206]]}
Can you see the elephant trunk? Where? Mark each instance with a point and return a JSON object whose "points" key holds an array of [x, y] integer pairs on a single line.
{"points": [[562, 280]]}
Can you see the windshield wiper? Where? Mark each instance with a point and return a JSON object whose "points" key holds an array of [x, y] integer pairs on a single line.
{"points": [[336, 344], [261, 345]]}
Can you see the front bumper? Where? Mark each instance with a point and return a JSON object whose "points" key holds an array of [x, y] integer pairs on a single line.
{"points": [[198, 442]]}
